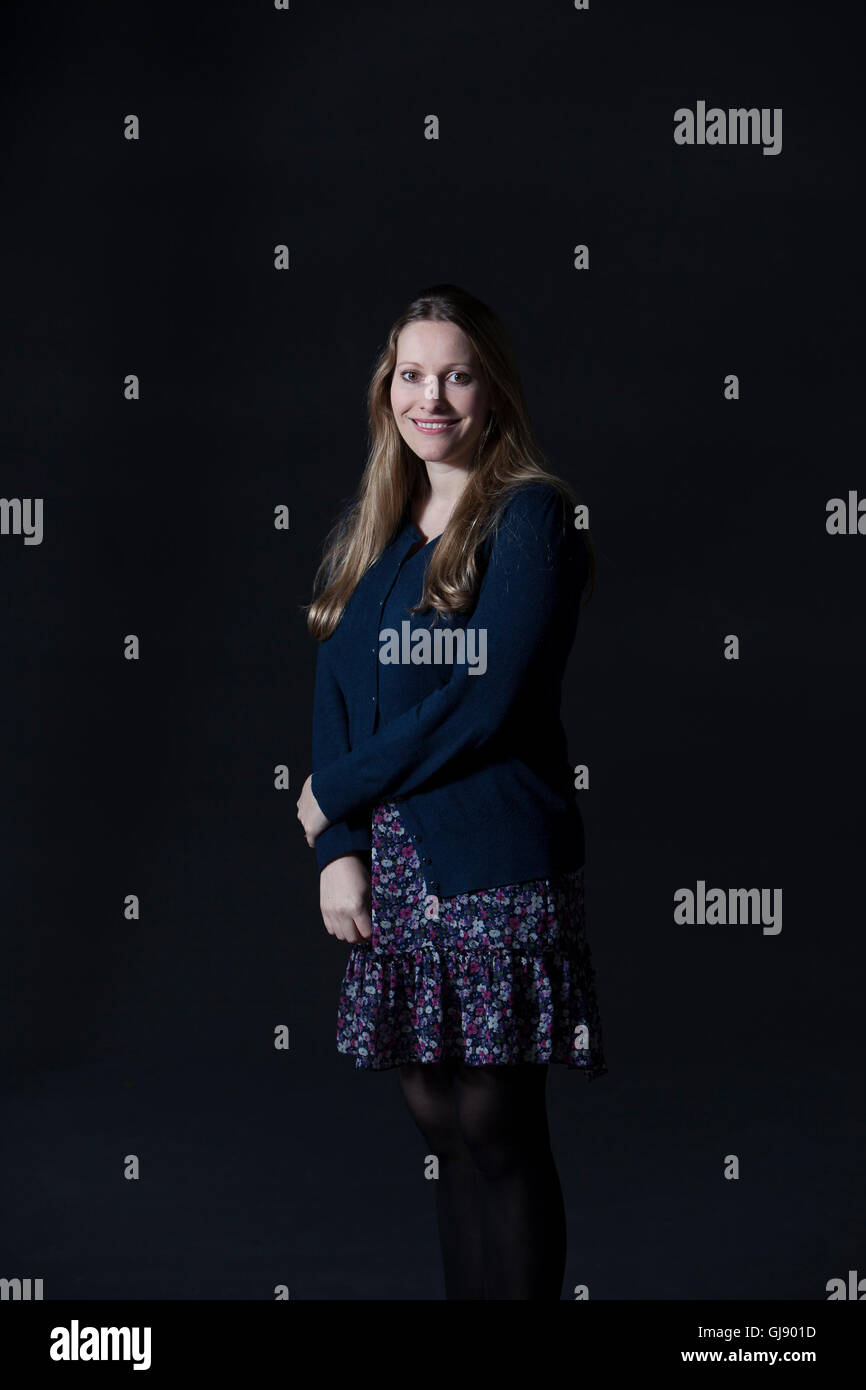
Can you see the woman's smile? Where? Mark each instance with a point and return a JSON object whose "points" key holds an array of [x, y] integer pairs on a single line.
{"points": [[433, 426]]}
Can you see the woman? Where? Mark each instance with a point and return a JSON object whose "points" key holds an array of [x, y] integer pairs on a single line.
{"points": [[441, 804]]}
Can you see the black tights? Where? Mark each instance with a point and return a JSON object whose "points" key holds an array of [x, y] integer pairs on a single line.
{"points": [[498, 1199]]}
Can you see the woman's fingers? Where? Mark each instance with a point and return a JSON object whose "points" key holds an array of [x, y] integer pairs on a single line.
{"points": [[342, 926], [345, 899]]}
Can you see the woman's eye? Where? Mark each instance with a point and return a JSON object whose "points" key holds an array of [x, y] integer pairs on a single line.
{"points": [[410, 372]]}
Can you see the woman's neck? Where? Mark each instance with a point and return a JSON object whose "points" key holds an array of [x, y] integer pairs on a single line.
{"points": [[432, 513]]}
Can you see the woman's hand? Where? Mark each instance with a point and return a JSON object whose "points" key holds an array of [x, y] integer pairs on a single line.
{"points": [[310, 814], [344, 897]]}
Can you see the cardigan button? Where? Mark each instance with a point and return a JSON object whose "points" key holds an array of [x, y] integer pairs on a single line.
{"points": [[427, 859]]}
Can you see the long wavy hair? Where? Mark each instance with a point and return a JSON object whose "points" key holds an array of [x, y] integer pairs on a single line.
{"points": [[506, 458]]}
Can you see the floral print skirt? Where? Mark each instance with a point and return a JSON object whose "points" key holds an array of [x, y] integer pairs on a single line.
{"points": [[493, 977]]}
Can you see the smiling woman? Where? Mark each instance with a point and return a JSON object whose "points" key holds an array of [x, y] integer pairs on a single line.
{"points": [[441, 805]]}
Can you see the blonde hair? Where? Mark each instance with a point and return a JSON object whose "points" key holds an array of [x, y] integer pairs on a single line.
{"points": [[506, 458]]}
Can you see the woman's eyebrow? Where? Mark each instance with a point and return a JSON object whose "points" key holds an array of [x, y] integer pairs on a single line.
{"points": [[447, 366]]}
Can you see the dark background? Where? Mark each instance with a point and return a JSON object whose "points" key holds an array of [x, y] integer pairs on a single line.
{"points": [[155, 777]]}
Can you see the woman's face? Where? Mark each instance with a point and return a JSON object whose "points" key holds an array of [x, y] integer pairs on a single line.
{"points": [[437, 381]]}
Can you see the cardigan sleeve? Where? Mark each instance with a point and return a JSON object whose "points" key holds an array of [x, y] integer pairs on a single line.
{"points": [[348, 834], [535, 567]]}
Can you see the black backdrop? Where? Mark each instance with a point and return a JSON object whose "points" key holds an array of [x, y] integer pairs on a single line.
{"points": [[155, 257]]}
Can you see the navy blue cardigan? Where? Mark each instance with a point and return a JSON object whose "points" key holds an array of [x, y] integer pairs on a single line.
{"points": [[477, 762]]}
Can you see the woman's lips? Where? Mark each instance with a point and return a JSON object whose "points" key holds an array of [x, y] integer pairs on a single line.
{"points": [[435, 426]]}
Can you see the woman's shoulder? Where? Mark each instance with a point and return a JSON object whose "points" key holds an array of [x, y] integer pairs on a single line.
{"points": [[537, 507], [536, 532]]}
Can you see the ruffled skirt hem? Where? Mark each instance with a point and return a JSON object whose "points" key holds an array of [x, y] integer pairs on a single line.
{"points": [[484, 1008]]}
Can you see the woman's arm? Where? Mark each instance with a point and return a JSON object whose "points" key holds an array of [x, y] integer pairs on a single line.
{"points": [[350, 834], [534, 563]]}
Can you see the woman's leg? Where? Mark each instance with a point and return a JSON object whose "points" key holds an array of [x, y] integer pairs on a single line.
{"points": [[428, 1088], [502, 1115]]}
